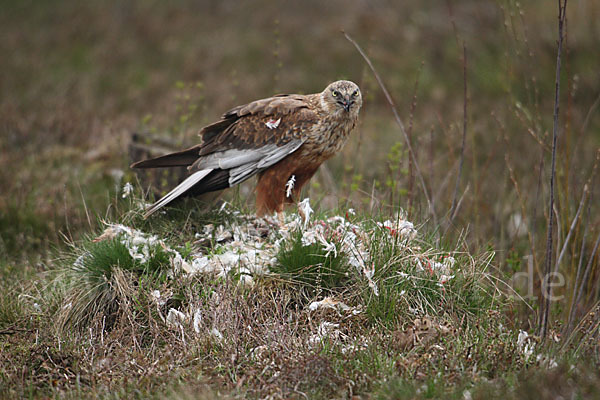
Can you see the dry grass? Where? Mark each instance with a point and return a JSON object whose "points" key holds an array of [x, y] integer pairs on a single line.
{"points": [[79, 78], [114, 323]]}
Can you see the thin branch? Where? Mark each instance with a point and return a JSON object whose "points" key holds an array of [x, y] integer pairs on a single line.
{"points": [[547, 291], [572, 228], [398, 121], [534, 211], [453, 209], [462, 197], [577, 276], [566, 341], [589, 114], [558, 245], [588, 268]]}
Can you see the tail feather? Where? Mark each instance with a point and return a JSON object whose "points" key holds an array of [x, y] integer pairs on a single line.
{"points": [[179, 159], [218, 179], [178, 191]]}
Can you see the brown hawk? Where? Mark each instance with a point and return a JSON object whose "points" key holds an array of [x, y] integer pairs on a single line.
{"points": [[284, 139]]}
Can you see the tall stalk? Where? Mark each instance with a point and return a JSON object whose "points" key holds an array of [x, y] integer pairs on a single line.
{"points": [[547, 289]]}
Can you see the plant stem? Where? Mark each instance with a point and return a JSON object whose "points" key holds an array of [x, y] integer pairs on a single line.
{"points": [[453, 209], [399, 122], [547, 291]]}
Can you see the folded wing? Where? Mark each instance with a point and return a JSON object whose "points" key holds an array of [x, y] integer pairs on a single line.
{"points": [[245, 141]]}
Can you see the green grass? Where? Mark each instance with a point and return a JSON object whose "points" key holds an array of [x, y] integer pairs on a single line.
{"points": [[12, 312], [101, 276], [21, 229], [312, 267], [83, 76], [461, 337], [103, 296], [414, 336]]}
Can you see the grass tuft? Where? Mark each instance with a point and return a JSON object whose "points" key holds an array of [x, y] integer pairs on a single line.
{"points": [[311, 266], [101, 279]]}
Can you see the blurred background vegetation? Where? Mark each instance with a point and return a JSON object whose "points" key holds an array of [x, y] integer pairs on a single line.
{"points": [[78, 78]]}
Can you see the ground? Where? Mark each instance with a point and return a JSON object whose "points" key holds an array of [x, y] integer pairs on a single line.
{"points": [[79, 79]]}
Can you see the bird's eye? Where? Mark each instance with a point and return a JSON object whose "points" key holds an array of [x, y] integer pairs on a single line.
{"points": [[334, 93], [355, 93]]}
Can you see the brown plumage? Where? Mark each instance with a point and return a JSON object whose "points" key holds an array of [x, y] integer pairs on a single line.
{"points": [[280, 138]]}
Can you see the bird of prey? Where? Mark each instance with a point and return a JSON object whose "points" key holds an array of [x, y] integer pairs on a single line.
{"points": [[284, 139]]}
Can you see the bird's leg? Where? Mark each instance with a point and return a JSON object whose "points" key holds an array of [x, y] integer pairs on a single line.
{"points": [[281, 218], [304, 210], [302, 214]]}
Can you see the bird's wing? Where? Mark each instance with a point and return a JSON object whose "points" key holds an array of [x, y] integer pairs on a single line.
{"points": [[258, 135], [274, 120], [246, 140]]}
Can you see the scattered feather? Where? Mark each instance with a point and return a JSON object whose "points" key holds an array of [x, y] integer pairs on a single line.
{"points": [[289, 186], [369, 273], [525, 344], [305, 211], [216, 333], [326, 330], [158, 298], [127, 190], [400, 227], [176, 318], [197, 320], [329, 303], [273, 123]]}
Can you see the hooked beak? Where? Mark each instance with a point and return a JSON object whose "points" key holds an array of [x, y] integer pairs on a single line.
{"points": [[346, 103]]}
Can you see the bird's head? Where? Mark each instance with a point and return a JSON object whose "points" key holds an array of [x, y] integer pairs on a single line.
{"points": [[342, 98]]}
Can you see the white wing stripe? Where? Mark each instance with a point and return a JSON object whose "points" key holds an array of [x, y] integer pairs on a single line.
{"points": [[281, 152], [229, 159], [271, 155], [265, 156]]}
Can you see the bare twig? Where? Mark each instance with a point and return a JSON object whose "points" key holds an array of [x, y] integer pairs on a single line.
{"points": [[558, 229], [582, 131], [398, 121], [588, 268], [441, 187], [589, 114], [462, 197], [453, 22], [453, 209], [577, 277], [431, 155], [572, 228], [545, 310], [534, 210]]}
